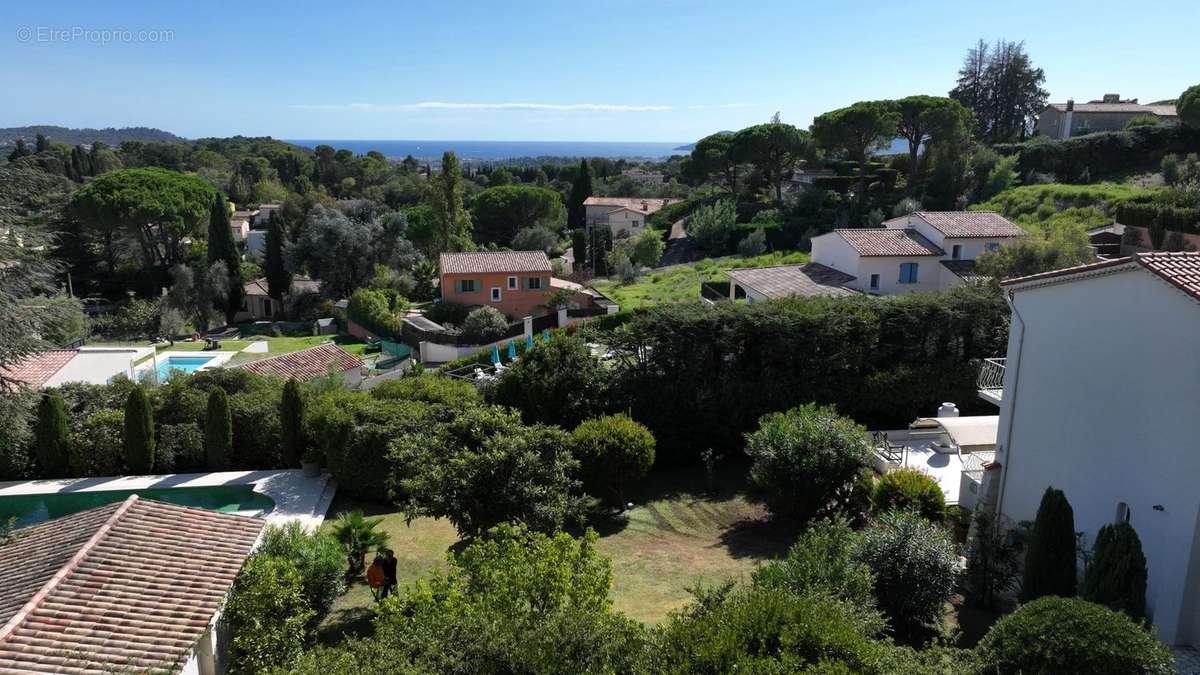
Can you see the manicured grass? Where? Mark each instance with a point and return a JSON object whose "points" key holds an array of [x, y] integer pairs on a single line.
{"points": [[682, 282], [679, 536]]}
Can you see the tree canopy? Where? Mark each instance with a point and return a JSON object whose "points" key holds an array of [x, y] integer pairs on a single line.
{"points": [[500, 212], [856, 129], [774, 148], [1002, 87]]}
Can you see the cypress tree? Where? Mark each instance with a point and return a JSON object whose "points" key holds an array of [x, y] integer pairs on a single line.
{"points": [[291, 417], [139, 432], [581, 189], [51, 437], [1050, 551], [222, 248], [279, 280], [1117, 574], [218, 431]]}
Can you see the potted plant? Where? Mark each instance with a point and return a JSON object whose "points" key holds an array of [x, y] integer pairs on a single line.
{"points": [[310, 462]]}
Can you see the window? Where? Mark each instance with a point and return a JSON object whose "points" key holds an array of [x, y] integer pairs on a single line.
{"points": [[512, 283], [267, 306], [495, 295], [993, 246], [466, 286], [908, 273], [874, 282], [956, 251], [535, 283], [1122, 512]]}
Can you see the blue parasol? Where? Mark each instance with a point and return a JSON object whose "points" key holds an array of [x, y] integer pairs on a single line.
{"points": [[512, 349], [529, 341], [495, 354], [546, 335]]}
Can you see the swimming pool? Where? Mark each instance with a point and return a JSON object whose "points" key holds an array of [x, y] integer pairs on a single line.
{"points": [[181, 364], [30, 509]]}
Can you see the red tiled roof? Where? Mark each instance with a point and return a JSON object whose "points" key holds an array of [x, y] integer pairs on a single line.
{"points": [[1180, 269], [782, 281], [494, 262], [640, 204], [968, 224], [128, 586], [306, 363], [36, 369], [888, 242], [300, 284]]}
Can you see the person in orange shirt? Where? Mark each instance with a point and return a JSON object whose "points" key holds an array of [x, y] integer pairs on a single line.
{"points": [[377, 579]]}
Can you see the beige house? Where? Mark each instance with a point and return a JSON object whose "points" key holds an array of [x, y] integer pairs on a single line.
{"points": [[624, 216], [1111, 113], [258, 305]]}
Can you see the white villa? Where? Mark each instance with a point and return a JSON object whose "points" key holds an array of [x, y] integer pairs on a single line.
{"points": [[923, 251], [624, 216], [1098, 397]]}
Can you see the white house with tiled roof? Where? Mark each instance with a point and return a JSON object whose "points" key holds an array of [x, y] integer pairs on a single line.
{"points": [[624, 216], [923, 251], [1098, 398]]}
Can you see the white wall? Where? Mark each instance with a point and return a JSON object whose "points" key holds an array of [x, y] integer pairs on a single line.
{"points": [[256, 244], [627, 221], [97, 366], [1102, 401], [973, 247]]}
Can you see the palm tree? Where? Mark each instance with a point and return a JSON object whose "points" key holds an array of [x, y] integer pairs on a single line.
{"points": [[358, 535]]}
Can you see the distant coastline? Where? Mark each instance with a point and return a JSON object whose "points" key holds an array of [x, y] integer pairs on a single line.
{"points": [[499, 150]]}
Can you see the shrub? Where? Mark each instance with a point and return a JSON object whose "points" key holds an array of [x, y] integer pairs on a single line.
{"points": [[769, 631], [712, 227], [291, 423], [915, 566], [97, 447], [537, 238], [180, 448], [1143, 121], [450, 313], [804, 459], [556, 382], [1050, 552], [1116, 574], [910, 489], [372, 310], [429, 389], [257, 438], [992, 562], [139, 432], [753, 244], [358, 535], [484, 324], [1069, 635], [613, 451], [1170, 169], [218, 431], [822, 561], [484, 467], [267, 614], [1188, 106], [52, 440], [316, 555]]}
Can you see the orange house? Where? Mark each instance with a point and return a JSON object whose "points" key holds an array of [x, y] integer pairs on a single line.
{"points": [[514, 282]]}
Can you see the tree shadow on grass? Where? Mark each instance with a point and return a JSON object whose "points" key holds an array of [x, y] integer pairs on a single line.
{"points": [[349, 622], [760, 538]]}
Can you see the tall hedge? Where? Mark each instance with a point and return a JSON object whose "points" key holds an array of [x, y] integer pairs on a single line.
{"points": [[52, 439], [1086, 158], [139, 432], [218, 431], [291, 423], [1050, 550], [1116, 576]]}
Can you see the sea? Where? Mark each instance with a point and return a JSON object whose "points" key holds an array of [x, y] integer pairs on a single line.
{"points": [[500, 150]]}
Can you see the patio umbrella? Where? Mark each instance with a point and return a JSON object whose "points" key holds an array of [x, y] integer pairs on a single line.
{"points": [[546, 335], [495, 354], [529, 341], [512, 349]]}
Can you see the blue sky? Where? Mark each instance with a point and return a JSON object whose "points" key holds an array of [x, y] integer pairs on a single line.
{"points": [[645, 70]]}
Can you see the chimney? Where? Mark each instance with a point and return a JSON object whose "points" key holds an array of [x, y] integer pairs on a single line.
{"points": [[645, 205], [1112, 98], [1070, 105]]}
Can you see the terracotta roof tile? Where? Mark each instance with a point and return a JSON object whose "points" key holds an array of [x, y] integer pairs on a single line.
{"points": [[132, 586], [306, 363], [969, 224], [888, 242], [783, 281], [965, 270], [36, 369], [645, 205], [494, 262], [1180, 269]]}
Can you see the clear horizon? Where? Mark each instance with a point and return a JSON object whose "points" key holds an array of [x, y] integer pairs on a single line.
{"points": [[541, 72]]}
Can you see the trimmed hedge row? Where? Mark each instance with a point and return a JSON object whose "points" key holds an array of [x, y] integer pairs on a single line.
{"points": [[1086, 158], [1150, 215]]}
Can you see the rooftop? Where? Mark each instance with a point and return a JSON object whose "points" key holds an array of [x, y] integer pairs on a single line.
{"points": [[783, 281], [1181, 270], [300, 284], [306, 364], [131, 585], [965, 270], [967, 224], [37, 369], [640, 204], [888, 242], [494, 262], [1121, 107]]}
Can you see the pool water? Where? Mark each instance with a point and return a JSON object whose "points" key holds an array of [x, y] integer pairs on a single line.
{"points": [[31, 509], [181, 364]]}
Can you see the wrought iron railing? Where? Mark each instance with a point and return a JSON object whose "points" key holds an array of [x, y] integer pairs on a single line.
{"points": [[991, 376]]}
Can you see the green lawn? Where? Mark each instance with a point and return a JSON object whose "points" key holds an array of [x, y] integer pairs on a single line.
{"points": [[682, 282], [679, 536]]}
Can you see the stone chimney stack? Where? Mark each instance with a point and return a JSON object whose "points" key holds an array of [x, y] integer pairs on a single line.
{"points": [[1070, 105]]}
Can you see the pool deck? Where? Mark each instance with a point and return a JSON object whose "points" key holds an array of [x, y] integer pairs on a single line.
{"points": [[297, 497], [216, 359]]}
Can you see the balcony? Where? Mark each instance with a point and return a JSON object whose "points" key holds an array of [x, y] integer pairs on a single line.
{"points": [[991, 380]]}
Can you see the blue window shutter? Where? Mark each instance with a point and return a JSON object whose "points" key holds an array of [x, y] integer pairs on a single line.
{"points": [[524, 283], [458, 286]]}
